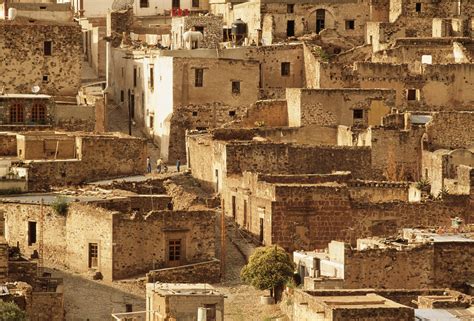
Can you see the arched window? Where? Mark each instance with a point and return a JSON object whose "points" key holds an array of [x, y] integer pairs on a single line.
{"points": [[38, 113], [17, 114]]}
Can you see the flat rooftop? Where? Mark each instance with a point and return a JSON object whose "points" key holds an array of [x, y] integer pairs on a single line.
{"points": [[168, 289], [368, 301]]}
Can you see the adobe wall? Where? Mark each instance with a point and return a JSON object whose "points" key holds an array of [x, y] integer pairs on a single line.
{"points": [[212, 30], [74, 118], [46, 147], [378, 192], [47, 306], [141, 242], [396, 154], [23, 48], [332, 107], [448, 130], [369, 314]]}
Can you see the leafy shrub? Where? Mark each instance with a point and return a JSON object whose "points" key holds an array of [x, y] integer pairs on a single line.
{"points": [[9, 311], [60, 206]]}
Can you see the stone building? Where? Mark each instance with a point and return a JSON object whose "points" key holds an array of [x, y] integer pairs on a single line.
{"points": [[47, 159], [165, 301], [131, 235], [46, 54], [271, 21], [210, 27], [377, 304], [419, 259]]}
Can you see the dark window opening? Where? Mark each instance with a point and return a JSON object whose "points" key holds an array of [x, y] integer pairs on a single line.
{"points": [[320, 20], [122, 96], [134, 77], [144, 4], [175, 4], [198, 77], [195, 113], [174, 250], [45, 78], [195, 3], [93, 255], [245, 213], [152, 121], [285, 68], [350, 24], [232, 113], [201, 128], [418, 7], [290, 8], [290, 28], [261, 230], [128, 307], [236, 87], [48, 48], [358, 113], [234, 206], [38, 113], [31, 233], [152, 77], [411, 94], [42, 7]]}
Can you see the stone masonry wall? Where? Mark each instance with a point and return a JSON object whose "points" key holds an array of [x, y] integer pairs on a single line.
{"points": [[449, 130], [296, 159], [23, 63]]}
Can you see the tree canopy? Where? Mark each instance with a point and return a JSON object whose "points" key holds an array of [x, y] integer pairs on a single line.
{"points": [[9, 311], [268, 268]]}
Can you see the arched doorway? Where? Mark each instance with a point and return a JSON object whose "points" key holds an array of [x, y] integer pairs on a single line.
{"points": [[38, 113], [320, 20], [17, 114]]}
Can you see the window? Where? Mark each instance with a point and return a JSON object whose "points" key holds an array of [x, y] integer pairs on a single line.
{"points": [[290, 8], [198, 77], [175, 4], [45, 78], [31, 233], [152, 121], [93, 255], [122, 96], [195, 3], [38, 113], [418, 7], [174, 250], [48, 48], [16, 113], [290, 28], [234, 206], [412, 94], [134, 77], [151, 82], [236, 87], [195, 113], [285, 68], [232, 113], [128, 307], [358, 113], [144, 4], [350, 24]]}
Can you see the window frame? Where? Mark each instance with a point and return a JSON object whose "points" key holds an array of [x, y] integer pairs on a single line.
{"points": [[198, 77], [285, 69]]}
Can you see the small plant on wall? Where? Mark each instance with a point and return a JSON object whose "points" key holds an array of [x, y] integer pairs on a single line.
{"points": [[60, 206]]}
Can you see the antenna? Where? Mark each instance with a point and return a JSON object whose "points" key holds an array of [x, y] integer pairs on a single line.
{"points": [[35, 89]]}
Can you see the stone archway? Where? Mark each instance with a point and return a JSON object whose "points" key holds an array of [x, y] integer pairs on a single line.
{"points": [[321, 18]]}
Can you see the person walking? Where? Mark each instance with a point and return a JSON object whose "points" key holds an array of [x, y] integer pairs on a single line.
{"points": [[148, 165], [178, 165], [159, 163]]}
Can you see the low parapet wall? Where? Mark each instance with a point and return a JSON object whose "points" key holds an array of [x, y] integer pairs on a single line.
{"points": [[203, 272]]}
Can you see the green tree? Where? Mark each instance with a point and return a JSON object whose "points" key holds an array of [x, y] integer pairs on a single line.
{"points": [[269, 268], [9, 311]]}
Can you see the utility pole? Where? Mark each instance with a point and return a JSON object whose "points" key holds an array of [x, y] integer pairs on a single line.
{"points": [[223, 239], [40, 243]]}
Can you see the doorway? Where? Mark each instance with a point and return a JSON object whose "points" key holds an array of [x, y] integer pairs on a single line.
{"points": [[290, 28], [320, 20], [261, 231]]}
